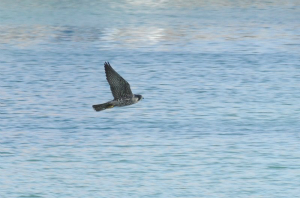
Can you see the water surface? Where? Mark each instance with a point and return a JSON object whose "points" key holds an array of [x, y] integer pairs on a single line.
{"points": [[220, 116]]}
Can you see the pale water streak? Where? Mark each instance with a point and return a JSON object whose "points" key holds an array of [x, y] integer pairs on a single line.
{"points": [[220, 116]]}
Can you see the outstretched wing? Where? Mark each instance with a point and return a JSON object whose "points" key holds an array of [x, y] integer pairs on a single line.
{"points": [[119, 87]]}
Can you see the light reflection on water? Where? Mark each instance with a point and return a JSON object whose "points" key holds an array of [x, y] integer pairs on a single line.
{"points": [[158, 38], [220, 116]]}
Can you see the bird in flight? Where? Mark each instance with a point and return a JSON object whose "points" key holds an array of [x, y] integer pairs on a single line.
{"points": [[120, 90]]}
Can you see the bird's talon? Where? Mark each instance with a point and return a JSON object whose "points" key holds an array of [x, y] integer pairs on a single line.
{"points": [[110, 106]]}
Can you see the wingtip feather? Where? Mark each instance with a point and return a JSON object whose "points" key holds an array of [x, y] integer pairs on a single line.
{"points": [[106, 64]]}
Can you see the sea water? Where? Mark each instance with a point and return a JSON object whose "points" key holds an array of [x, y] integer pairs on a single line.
{"points": [[220, 118]]}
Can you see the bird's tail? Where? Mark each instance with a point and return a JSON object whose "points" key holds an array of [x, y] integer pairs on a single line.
{"points": [[101, 107]]}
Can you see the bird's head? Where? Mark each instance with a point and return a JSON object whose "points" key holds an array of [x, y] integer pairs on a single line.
{"points": [[139, 97]]}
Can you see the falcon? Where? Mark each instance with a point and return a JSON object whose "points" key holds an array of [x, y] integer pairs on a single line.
{"points": [[120, 90]]}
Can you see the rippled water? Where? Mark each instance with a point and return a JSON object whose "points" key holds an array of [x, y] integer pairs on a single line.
{"points": [[221, 111]]}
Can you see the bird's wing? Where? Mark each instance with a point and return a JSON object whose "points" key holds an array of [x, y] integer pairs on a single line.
{"points": [[119, 87]]}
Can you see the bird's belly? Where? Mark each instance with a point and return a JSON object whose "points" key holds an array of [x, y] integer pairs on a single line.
{"points": [[123, 102]]}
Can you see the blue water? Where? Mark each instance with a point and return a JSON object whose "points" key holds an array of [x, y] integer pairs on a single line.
{"points": [[220, 118]]}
